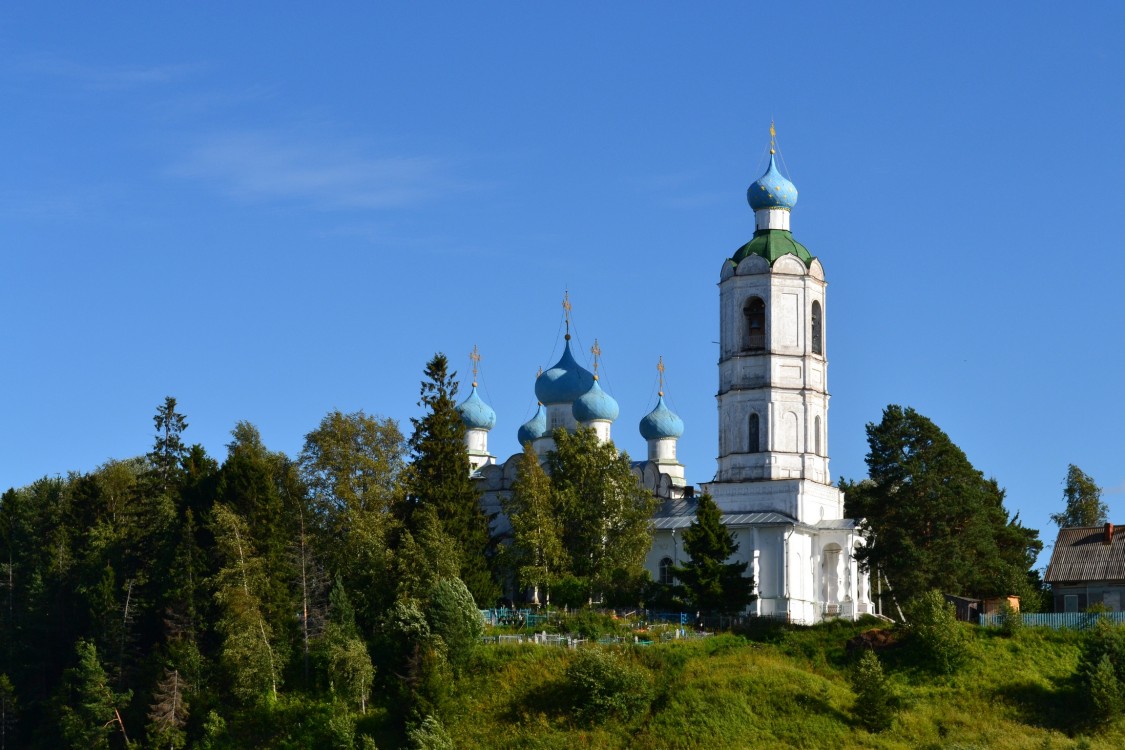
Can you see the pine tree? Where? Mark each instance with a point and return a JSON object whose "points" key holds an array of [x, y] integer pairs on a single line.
{"points": [[1083, 496], [536, 551], [711, 583], [439, 479], [169, 449]]}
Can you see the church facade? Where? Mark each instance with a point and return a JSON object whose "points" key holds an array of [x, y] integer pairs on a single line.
{"points": [[772, 482]]}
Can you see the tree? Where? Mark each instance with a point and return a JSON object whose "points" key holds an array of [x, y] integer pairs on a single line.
{"points": [[7, 710], [712, 584], [939, 641], [601, 506], [439, 477], [169, 449], [536, 551], [875, 701], [89, 709], [932, 520], [1084, 506], [350, 671], [455, 618], [168, 714]]}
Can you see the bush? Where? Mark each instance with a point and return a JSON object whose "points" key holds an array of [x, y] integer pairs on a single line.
{"points": [[602, 684], [430, 734], [939, 641], [875, 702], [1104, 691], [454, 617], [1101, 670], [1011, 621]]}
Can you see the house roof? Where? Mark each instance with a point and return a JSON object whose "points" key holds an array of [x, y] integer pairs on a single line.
{"points": [[1080, 555]]}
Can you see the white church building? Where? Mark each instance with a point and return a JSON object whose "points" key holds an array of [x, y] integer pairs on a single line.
{"points": [[772, 482]]}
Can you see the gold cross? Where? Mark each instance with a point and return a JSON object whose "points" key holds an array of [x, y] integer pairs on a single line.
{"points": [[660, 369], [597, 352], [475, 357], [566, 311], [773, 138]]}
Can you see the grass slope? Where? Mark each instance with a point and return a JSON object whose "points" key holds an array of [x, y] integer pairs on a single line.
{"points": [[785, 688]]}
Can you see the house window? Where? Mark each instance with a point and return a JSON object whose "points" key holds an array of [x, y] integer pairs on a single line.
{"points": [[817, 345], [1070, 603], [754, 311], [666, 571], [754, 442]]}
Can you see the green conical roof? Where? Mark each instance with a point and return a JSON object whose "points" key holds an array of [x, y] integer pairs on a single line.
{"points": [[771, 244]]}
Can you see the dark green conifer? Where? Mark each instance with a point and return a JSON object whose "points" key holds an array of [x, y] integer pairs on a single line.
{"points": [[711, 584]]}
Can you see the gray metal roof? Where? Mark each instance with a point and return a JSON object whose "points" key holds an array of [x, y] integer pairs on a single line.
{"points": [[666, 522], [1080, 556]]}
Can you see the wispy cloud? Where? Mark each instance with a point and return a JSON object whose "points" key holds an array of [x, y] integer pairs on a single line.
{"points": [[109, 77], [267, 166]]}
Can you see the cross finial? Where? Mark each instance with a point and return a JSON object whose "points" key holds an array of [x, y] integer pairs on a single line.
{"points": [[539, 373], [773, 138], [660, 369], [597, 352], [566, 312], [475, 357]]}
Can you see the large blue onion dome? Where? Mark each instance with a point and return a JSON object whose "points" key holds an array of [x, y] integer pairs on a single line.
{"points": [[534, 428], [661, 422], [564, 382], [475, 413], [771, 190], [595, 404]]}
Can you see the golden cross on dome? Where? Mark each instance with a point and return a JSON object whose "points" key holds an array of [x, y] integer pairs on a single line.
{"points": [[773, 138], [566, 311], [475, 357], [660, 369], [597, 352], [539, 373]]}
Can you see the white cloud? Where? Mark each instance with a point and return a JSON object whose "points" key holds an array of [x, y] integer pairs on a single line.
{"points": [[264, 166]]}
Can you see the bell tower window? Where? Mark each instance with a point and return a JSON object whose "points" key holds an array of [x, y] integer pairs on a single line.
{"points": [[816, 439], [754, 444], [817, 339], [754, 312]]}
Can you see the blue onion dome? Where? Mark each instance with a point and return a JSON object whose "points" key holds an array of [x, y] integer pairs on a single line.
{"points": [[534, 428], [771, 190], [564, 382], [595, 404], [475, 413], [661, 422]]}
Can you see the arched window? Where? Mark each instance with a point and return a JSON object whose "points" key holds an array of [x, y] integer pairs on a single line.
{"points": [[816, 436], [754, 441], [817, 338], [755, 313], [666, 571]]}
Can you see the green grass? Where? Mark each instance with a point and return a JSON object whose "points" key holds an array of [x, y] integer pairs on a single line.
{"points": [[786, 688]]}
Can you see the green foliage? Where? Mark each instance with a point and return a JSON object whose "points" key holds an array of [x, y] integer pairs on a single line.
{"points": [[8, 710], [168, 713], [536, 552], [1104, 691], [169, 449], [933, 521], [439, 479], [429, 734], [940, 642], [711, 584], [875, 701], [455, 618], [1101, 671], [1011, 621], [601, 507], [1083, 497], [603, 684], [89, 709]]}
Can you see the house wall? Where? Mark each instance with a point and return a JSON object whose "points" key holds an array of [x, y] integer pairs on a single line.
{"points": [[1110, 594]]}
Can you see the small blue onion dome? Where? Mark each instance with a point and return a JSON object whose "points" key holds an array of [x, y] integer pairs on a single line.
{"points": [[534, 428], [564, 382], [661, 422], [771, 190], [475, 413], [595, 404]]}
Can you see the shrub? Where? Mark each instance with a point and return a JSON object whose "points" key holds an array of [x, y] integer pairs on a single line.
{"points": [[1104, 691], [1101, 671], [602, 684], [454, 617], [875, 703], [1011, 621], [430, 734], [937, 638]]}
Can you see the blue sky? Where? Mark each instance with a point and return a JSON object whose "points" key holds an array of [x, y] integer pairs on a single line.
{"points": [[270, 211]]}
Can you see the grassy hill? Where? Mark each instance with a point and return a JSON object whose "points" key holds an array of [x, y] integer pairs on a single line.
{"points": [[782, 687]]}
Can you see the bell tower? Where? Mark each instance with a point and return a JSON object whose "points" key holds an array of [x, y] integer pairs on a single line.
{"points": [[773, 367]]}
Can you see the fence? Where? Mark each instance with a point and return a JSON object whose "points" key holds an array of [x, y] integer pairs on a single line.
{"points": [[1058, 620]]}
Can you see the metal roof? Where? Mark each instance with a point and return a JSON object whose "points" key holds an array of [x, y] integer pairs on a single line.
{"points": [[664, 523], [1081, 556]]}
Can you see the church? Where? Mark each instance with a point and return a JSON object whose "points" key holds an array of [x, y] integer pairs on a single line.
{"points": [[772, 482]]}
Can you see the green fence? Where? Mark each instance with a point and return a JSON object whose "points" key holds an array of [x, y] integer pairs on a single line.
{"points": [[1058, 620]]}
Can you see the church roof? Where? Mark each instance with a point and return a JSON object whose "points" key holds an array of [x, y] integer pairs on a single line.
{"points": [[771, 244], [766, 518], [595, 404], [661, 422], [534, 428], [564, 382], [772, 190], [475, 413]]}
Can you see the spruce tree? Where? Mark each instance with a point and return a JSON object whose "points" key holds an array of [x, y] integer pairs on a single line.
{"points": [[169, 449], [439, 479], [711, 584]]}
